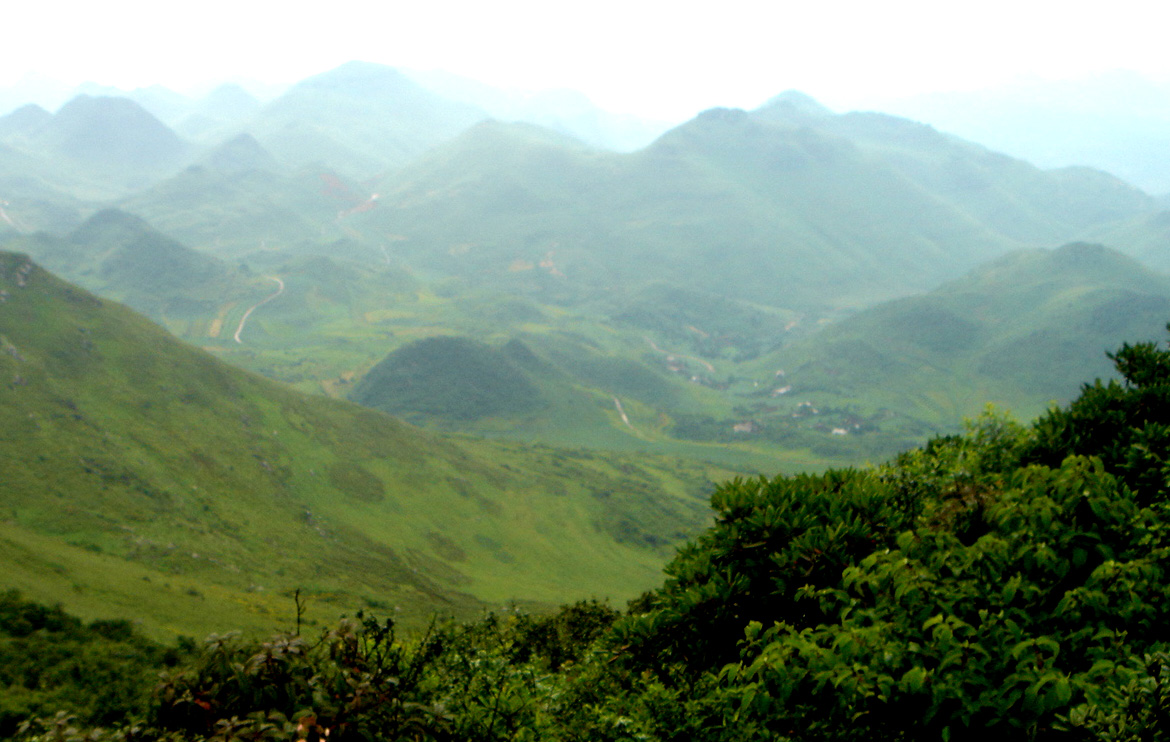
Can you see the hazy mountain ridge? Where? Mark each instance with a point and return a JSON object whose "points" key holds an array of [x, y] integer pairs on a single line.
{"points": [[1021, 331], [722, 293], [122, 257], [160, 460], [360, 117], [763, 191], [1116, 122]]}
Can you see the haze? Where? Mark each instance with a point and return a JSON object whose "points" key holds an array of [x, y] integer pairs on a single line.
{"points": [[656, 59]]}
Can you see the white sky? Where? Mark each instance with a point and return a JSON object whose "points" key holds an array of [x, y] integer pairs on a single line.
{"points": [[651, 57]]}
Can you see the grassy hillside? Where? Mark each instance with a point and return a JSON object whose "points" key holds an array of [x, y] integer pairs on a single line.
{"points": [[786, 206], [1020, 332], [143, 476], [124, 258]]}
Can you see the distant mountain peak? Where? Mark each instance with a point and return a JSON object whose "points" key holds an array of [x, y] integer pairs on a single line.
{"points": [[110, 219], [230, 99], [359, 78], [726, 115], [239, 154], [105, 129], [25, 120], [794, 104]]}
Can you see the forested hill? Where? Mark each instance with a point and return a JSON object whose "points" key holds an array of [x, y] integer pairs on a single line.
{"points": [[1009, 581]]}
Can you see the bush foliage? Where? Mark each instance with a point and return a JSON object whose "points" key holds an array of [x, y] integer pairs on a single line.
{"points": [[1008, 581]]}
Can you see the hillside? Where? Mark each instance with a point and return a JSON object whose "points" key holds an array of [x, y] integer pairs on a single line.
{"points": [[360, 118], [123, 258], [1020, 332], [785, 206], [1007, 580], [141, 475], [112, 139]]}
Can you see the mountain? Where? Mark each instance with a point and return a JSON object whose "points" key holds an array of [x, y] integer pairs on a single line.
{"points": [[781, 208], [24, 122], [238, 155], [566, 111], [450, 378], [141, 476], [1146, 237], [28, 202], [1020, 331], [122, 257], [237, 199], [97, 147], [1116, 121], [163, 103], [111, 132], [360, 118], [1013, 197], [220, 113]]}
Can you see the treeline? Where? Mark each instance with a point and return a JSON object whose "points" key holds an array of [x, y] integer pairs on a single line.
{"points": [[1010, 581]]}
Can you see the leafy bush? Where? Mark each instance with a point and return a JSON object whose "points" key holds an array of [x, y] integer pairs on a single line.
{"points": [[1007, 581]]}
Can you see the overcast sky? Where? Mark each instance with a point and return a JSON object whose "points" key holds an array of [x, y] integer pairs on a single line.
{"points": [[656, 58]]}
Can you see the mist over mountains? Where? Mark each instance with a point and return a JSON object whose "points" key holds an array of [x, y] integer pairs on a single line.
{"points": [[584, 320]]}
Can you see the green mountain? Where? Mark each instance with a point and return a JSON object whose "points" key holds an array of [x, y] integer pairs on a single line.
{"points": [[360, 118], [451, 378], [1013, 197], [124, 258], [140, 475], [112, 138], [24, 122], [1020, 332], [234, 201], [1146, 237], [799, 208], [93, 147]]}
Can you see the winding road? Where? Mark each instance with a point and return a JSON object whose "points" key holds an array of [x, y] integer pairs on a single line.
{"points": [[256, 306]]}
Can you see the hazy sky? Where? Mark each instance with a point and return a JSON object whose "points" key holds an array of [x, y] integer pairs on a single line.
{"points": [[666, 59]]}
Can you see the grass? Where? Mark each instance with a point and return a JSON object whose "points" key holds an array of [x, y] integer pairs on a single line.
{"points": [[170, 464]]}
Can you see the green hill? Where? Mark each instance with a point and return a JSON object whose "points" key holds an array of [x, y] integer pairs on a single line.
{"points": [[1009, 195], [784, 208], [360, 118], [1146, 237], [124, 258], [227, 209], [1020, 332], [449, 378], [112, 140], [142, 476]]}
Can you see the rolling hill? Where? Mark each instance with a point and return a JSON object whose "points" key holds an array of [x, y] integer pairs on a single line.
{"points": [[789, 206], [1020, 332], [142, 476], [360, 118]]}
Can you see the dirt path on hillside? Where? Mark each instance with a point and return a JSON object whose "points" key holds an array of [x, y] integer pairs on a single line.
{"points": [[256, 306], [621, 411], [655, 347]]}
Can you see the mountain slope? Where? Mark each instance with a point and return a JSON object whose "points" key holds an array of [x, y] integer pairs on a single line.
{"points": [[140, 475], [361, 118], [125, 259], [789, 206], [1020, 332]]}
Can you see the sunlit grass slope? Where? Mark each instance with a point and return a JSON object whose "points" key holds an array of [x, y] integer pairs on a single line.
{"points": [[140, 472]]}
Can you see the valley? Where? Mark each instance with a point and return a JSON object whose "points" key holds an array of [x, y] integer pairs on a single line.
{"points": [[404, 357]]}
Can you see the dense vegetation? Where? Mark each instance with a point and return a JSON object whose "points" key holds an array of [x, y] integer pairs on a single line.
{"points": [[1009, 580]]}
